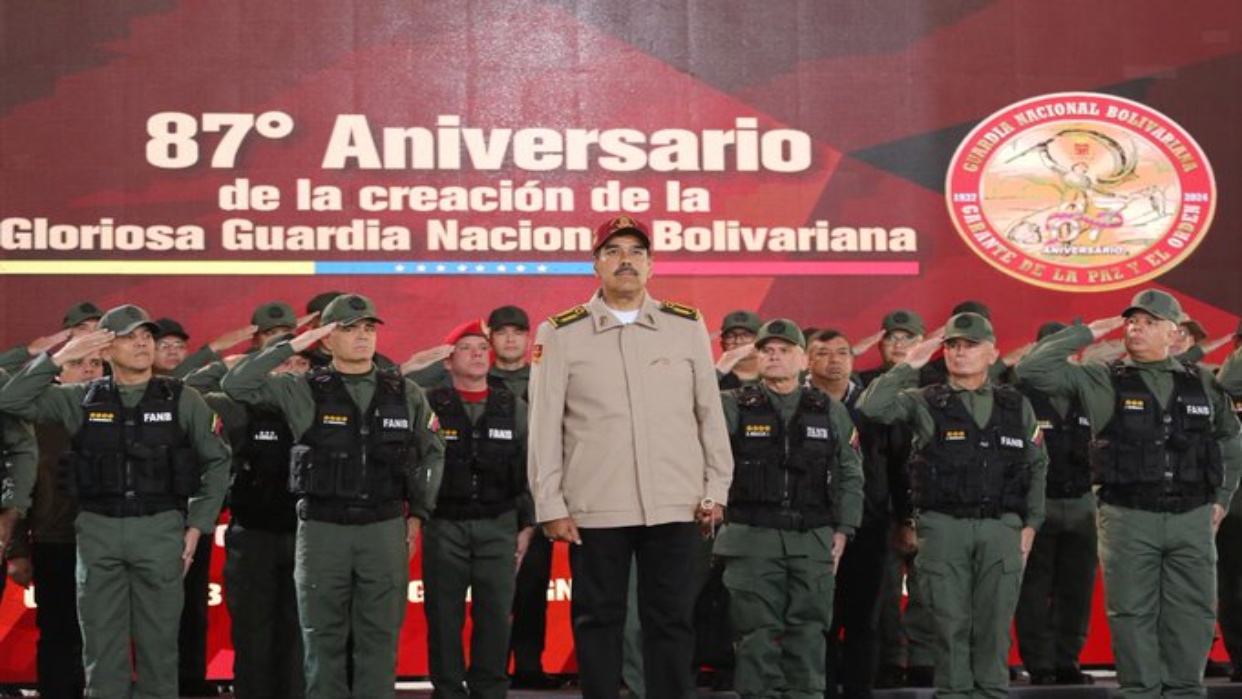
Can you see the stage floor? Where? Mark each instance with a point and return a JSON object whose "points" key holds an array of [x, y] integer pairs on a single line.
{"points": [[1104, 688]]}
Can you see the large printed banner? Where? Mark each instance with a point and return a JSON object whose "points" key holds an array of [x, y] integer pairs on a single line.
{"points": [[823, 160]]}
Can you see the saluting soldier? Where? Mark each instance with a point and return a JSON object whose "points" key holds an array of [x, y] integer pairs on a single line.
{"points": [[1229, 535], [1165, 460], [1054, 608], [149, 470], [259, 547], [43, 553], [367, 465], [481, 526], [977, 484]]}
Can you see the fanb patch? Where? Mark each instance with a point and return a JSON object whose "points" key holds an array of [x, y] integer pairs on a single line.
{"points": [[679, 310], [573, 315]]}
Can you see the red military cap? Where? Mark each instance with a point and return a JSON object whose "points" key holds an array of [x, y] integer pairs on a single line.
{"points": [[618, 226]]}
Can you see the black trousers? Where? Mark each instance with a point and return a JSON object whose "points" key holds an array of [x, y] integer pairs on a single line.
{"points": [[530, 607], [59, 661], [665, 555], [192, 636], [852, 661]]}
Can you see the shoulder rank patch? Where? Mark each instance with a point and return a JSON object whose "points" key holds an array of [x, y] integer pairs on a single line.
{"points": [[573, 315], [680, 311]]}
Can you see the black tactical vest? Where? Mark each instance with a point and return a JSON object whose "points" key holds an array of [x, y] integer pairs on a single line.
{"points": [[259, 496], [354, 459], [484, 462], [965, 471], [1153, 458], [782, 473], [132, 461], [1067, 440]]}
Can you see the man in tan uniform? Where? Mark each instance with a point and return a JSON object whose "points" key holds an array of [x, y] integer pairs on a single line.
{"points": [[628, 448]]}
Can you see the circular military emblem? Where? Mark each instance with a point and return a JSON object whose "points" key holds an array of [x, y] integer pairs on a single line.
{"points": [[357, 303], [274, 312], [1081, 191]]}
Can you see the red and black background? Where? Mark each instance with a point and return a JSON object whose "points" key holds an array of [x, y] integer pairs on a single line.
{"points": [[886, 88]]}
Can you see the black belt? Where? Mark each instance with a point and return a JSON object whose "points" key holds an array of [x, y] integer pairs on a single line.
{"points": [[784, 519], [461, 511], [1065, 491], [128, 507], [349, 513], [1154, 500], [987, 510]]}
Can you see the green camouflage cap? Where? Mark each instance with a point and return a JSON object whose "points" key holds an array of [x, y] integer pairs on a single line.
{"points": [[969, 326], [348, 309], [1159, 304], [902, 319], [80, 313], [747, 320], [124, 320], [780, 329], [276, 314]]}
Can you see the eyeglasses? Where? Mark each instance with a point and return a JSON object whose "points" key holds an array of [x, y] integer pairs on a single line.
{"points": [[737, 337], [895, 339]]}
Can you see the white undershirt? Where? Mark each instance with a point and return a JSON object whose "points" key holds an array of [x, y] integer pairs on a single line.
{"points": [[624, 317]]}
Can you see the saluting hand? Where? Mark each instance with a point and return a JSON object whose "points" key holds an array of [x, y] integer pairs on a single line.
{"points": [[232, 337], [308, 339], [303, 320], [39, 345], [425, 358], [1103, 326], [730, 358], [83, 346], [865, 344], [920, 354]]}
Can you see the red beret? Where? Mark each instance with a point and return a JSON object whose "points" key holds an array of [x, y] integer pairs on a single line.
{"points": [[473, 327]]}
